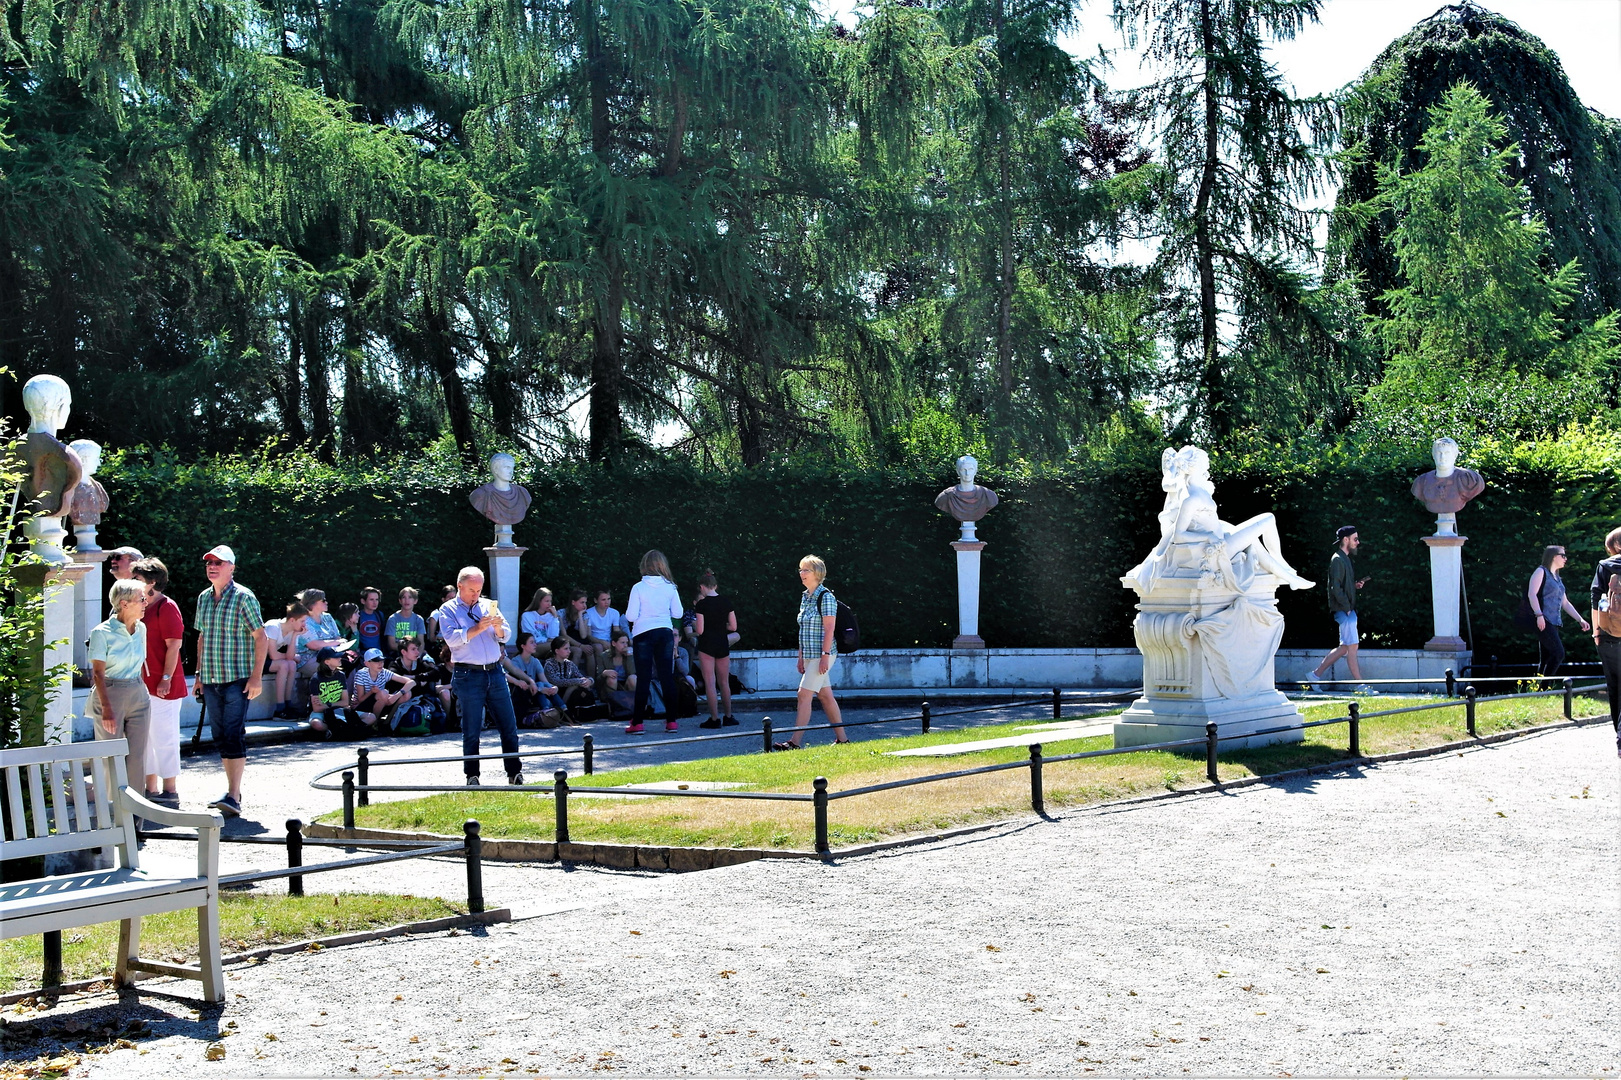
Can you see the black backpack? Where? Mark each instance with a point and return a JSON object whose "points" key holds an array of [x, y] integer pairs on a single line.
{"points": [[846, 630]]}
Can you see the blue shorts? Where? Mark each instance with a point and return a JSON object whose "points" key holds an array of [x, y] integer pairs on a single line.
{"points": [[1347, 623]]}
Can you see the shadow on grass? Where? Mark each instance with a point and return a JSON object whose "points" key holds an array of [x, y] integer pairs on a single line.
{"points": [[1284, 757]]}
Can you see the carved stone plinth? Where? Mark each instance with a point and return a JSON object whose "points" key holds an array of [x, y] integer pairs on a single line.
{"points": [[1446, 578], [968, 593], [504, 582], [89, 600]]}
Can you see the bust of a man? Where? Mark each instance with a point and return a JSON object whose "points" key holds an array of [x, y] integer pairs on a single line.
{"points": [[54, 470], [502, 501], [89, 498], [967, 501], [1447, 489]]}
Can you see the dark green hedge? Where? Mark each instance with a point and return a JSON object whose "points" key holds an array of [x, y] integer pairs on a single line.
{"points": [[1056, 546]]}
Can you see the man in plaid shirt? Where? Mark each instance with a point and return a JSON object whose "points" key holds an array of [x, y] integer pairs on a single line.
{"points": [[231, 649]]}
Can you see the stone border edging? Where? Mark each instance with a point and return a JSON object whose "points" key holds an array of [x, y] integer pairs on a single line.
{"points": [[686, 860], [427, 926]]}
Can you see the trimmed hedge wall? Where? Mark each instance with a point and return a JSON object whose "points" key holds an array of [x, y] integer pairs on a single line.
{"points": [[1057, 544]]}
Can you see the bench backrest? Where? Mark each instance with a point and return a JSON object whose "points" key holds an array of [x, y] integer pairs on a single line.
{"points": [[47, 800]]}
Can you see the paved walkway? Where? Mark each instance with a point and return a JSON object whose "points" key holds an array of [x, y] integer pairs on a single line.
{"points": [[1446, 915]]}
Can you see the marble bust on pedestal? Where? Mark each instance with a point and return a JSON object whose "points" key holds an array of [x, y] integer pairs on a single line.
{"points": [[53, 469], [1447, 489], [967, 501], [89, 498], [502, 501]]}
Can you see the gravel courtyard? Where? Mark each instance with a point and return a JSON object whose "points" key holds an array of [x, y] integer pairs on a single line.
{"points": [[1449, 915]]}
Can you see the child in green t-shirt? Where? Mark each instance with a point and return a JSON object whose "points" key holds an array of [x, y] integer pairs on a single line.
{"points": [[329, 696]]}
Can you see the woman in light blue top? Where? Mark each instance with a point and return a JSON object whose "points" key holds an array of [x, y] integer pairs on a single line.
{"points": [[119, 706]]}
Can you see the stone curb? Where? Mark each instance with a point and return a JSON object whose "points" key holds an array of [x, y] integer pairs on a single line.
{"points": [[686, 860], [428, 926]]}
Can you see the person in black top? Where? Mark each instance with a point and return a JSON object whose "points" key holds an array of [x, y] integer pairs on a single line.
{"points": [[1607, 628], [428, 676], [715, 621]]}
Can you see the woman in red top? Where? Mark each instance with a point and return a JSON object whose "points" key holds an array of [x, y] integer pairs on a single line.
{"points": [[165, 683]]}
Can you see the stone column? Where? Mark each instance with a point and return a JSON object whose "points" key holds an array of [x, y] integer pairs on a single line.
{"points": [[1446, 576], [53, 723], [88, 603], [968, 591], [504, 582]]}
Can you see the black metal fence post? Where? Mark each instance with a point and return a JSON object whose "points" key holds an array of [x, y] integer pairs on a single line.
{"points": [[1354, 712], [363, 759], [590, 749], [473, 850], [295, 855], [1469, 709], [819, 800], [1038, 801], [560, 795], [1570, 702], [348, 800], [1210, 753], [1452, 684], [765, 734], [1057, 704], [925, 718]]}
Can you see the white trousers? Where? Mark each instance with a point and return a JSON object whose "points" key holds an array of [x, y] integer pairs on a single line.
{"points": [[163, 743]]}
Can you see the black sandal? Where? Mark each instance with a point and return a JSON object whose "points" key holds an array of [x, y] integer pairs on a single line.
{"points": [[785, 746]]}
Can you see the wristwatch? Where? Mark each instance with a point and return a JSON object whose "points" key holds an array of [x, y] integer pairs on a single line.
{"points": [[825, 653]]}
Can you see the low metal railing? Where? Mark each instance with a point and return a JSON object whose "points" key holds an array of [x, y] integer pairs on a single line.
{"points": [[821, 797]]}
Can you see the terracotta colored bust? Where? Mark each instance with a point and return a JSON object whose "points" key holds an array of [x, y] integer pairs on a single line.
{"points": [[967, 501], [1446, 489], [502, 501], [89, 498]]}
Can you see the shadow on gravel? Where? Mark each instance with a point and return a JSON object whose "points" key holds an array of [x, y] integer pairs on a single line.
{"points": [[138, 1015]]}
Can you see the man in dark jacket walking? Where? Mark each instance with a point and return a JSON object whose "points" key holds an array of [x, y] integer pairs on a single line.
{"points": [[1342, 588], [1607, 628]]}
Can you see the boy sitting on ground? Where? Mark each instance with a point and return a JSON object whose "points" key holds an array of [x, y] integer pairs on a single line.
{"points": [[370, 695], [574, 688], [425, 675], [526, 675], [329, 697], [405, 624]]}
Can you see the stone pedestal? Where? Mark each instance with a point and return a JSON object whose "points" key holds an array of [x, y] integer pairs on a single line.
{"points": [[1208, 652], [89, 602], [54, 723], [45, 537], [504, 582], [1446, 577], [968, 591]]}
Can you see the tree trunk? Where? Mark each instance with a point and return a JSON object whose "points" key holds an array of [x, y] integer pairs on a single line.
{"points": [[1211, 375], [607, 327], [1004, 301], [290, 401], [315, 384], [436, 339]]}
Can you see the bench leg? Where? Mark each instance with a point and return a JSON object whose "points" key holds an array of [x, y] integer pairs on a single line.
{"points": [[129, 948], [208, 945]]}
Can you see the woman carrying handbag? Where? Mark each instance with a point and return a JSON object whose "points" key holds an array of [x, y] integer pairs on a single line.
{"points": [[1544, 607]]}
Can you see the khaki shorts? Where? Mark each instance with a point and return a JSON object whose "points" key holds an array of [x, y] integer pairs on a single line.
{"points": [[814, 680]]}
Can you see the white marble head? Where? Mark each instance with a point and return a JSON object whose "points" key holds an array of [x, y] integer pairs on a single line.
{"points": [[89, 454], [502, 466], [967, 469], [48, 401], [1178, 466], [1445, 454]]}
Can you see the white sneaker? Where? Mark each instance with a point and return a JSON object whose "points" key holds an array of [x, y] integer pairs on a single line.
{"points": [[1362, 688], [1313, 681]]}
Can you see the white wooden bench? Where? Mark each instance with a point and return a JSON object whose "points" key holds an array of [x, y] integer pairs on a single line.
{"points": [[50, 810]]}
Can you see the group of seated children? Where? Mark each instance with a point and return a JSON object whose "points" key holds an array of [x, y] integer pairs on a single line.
{"points": [[353, 672]]}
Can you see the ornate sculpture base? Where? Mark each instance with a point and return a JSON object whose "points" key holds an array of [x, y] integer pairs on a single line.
{"points": [[57, 585], [1207, 656]]}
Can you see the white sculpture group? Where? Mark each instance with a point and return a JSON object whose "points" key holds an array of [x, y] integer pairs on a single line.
{"points": [[1208, 624]]}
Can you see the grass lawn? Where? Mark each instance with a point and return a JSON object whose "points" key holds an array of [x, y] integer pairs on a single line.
{"points": [[750, 824], [246, 922]]}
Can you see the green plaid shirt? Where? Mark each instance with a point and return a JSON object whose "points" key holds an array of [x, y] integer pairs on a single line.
{"points": [[225, 628], [813, 607]]}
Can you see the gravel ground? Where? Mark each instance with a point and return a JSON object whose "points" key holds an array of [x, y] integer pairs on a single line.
{"points": [[1452, 915]]}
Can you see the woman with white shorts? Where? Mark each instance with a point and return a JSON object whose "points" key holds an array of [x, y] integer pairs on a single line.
{"points": [[817, 611], [165, 683]]}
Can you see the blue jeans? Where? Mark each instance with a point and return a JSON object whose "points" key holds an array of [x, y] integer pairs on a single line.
{"points": [[475, 691], [655, 647], [227, 705]]}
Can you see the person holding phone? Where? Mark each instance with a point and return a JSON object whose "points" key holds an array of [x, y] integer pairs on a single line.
{"points": [[1343, 585]]}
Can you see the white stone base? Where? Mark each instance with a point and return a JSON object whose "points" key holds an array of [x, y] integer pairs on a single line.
{"points": [[1170, 721]]}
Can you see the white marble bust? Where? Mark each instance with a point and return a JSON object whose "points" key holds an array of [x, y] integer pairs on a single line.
{"points": [[89, 498], [502, 501], [967, 501]]}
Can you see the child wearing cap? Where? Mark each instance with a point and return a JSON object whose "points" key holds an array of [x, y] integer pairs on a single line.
{"points": [[371, 697], [329, 697]]}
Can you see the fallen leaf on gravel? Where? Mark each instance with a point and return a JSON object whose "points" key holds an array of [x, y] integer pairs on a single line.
{"points": [[215, 1052], [1028, 997], [1082, 1042], [864, 1068], [1322, 971], [1221, 974], [963, 1024], [399, 997], [638, 933], [270, 1036], [727, 974], [414, 1039], [992, 948], [1501, 814], [509, 1061], [1131, 993]]}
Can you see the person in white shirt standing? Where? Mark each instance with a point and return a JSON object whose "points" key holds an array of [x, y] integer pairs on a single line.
{"points": [[653, 610]]}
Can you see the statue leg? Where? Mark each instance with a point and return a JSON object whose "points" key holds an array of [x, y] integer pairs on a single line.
{"points": [[1259, 537]]}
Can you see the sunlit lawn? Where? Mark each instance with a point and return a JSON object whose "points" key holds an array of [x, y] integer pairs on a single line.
{"points": [[926, 807]]}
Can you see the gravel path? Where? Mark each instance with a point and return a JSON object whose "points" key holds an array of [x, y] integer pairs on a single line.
{"points": [[1452, 915]]}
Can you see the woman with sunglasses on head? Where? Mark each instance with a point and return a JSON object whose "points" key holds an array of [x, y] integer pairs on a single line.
{"points": [[1546, 591]]}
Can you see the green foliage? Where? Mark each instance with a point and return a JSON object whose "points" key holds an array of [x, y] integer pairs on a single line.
{"points": [[1059, 541], [1477, 335]]}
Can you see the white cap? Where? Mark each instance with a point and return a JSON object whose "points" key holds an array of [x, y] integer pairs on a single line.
{"points": [[222, 553]]}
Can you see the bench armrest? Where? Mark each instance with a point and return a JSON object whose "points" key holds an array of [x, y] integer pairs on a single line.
{"points": [[141, 806]]}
